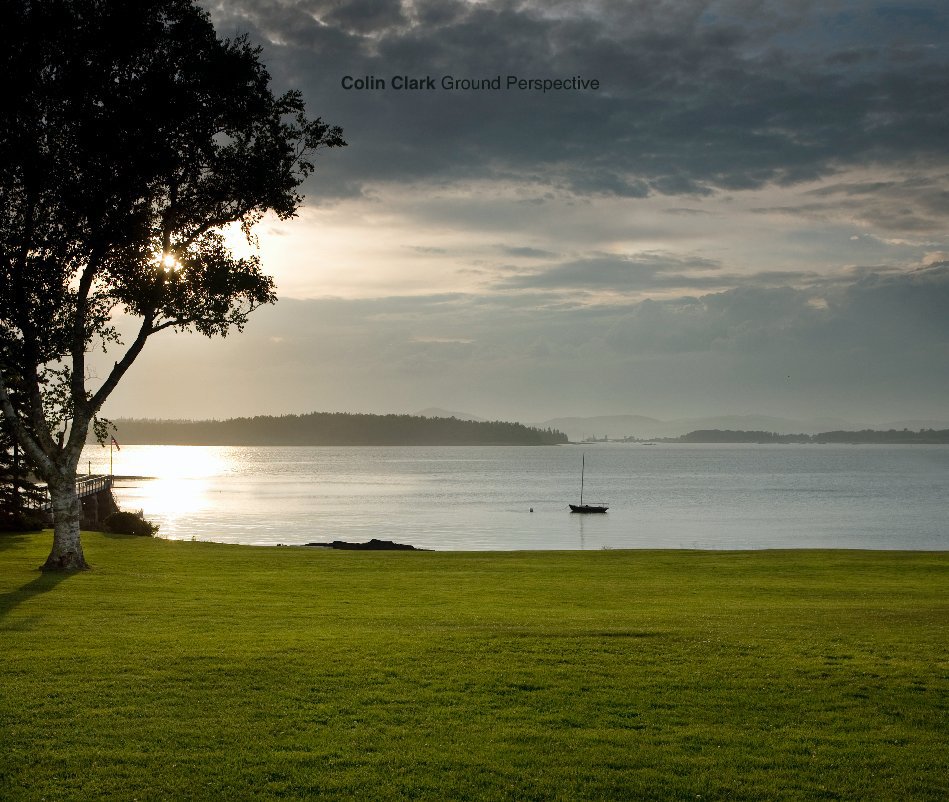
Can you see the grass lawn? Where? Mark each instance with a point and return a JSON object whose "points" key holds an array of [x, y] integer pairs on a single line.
{"points": [[178, 670]]}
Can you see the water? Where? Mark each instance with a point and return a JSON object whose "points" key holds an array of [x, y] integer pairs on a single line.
{"points": [[719, 496]]}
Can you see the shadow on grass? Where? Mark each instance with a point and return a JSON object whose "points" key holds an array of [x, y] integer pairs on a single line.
{"points": [[44, 583], [12, 538]]}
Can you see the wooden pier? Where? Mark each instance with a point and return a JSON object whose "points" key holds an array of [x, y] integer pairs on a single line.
{"points": [[95, 493], [96, 483]]}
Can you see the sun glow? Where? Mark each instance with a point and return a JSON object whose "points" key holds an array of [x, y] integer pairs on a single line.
{"points": [[167, 499], [237, 241], [167, 262], [166, 482]]}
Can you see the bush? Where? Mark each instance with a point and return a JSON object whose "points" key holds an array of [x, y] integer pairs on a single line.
{"points": [[129, 523], [24, 521]]}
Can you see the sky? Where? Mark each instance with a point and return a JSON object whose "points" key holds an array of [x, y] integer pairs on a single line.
{"points": [[746, 213]]}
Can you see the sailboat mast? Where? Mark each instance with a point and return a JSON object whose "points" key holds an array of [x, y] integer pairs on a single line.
{"points": [[583, 466]]}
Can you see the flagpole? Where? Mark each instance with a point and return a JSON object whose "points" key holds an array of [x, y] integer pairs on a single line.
{"points": [[111, 441]]}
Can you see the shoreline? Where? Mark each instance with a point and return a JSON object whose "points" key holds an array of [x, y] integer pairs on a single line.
{"points": [[366, 546]]}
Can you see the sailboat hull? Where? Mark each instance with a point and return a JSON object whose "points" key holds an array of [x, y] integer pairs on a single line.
{"points": [[588, 508]]}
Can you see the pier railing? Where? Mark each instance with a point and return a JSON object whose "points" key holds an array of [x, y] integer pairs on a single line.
{"points": [[93, 484], [86, 486]]}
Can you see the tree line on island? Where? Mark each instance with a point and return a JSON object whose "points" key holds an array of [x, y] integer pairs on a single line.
{"points": [[864, 436], [333, 429]]}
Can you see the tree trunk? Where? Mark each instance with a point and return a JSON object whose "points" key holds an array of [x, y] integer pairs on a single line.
{"points": [[16, 503], [66, 554]]}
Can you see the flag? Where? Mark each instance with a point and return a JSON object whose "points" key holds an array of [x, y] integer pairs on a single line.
{"points": [[116, 444]]}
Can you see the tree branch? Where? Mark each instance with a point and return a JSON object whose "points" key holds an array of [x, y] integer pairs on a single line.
{"points": [[21, 316], [120, 367], [78, 344], [178, 321], [217, 222]]}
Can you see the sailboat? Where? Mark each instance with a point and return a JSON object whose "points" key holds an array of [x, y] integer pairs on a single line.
{"points": [[581, 507]]}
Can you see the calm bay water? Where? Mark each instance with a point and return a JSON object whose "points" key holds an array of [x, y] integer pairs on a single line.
{"points": [[476, 498]]}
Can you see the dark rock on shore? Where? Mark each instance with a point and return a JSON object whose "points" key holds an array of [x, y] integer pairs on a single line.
{"points": [[372, 545]]}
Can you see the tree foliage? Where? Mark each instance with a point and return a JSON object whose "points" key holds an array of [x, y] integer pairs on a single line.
{"points": [[130, 135], [20, 498]]}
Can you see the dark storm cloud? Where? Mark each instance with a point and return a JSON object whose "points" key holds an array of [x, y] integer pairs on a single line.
{"points": [[361, 16], [694, 95]]}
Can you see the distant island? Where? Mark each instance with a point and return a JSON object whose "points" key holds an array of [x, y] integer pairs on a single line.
{"points": [[641, 427], [864, 436], [333, 429]]}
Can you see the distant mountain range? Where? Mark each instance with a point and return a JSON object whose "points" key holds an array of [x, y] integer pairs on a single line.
{"points": [[640, 426], [438, 412]]}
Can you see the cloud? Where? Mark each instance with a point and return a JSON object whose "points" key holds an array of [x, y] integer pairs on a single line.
{"points": [[863, 347], [695, 96], [742, 319], [895, 315], [756, 190], [639, 272], [526, 252]]}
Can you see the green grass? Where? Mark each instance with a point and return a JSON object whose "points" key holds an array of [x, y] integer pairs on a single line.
{"points": [[191, 670]]}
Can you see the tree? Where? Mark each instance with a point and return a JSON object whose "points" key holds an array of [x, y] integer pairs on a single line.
{"points": [[129, 136], [20, 499]]}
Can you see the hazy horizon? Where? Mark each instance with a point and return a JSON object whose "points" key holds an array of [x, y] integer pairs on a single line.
{"points": [[747, 216], [749, 421]]}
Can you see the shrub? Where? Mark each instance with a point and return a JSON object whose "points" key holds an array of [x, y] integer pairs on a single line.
{"points": [[129, 523], [24, 521]]}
